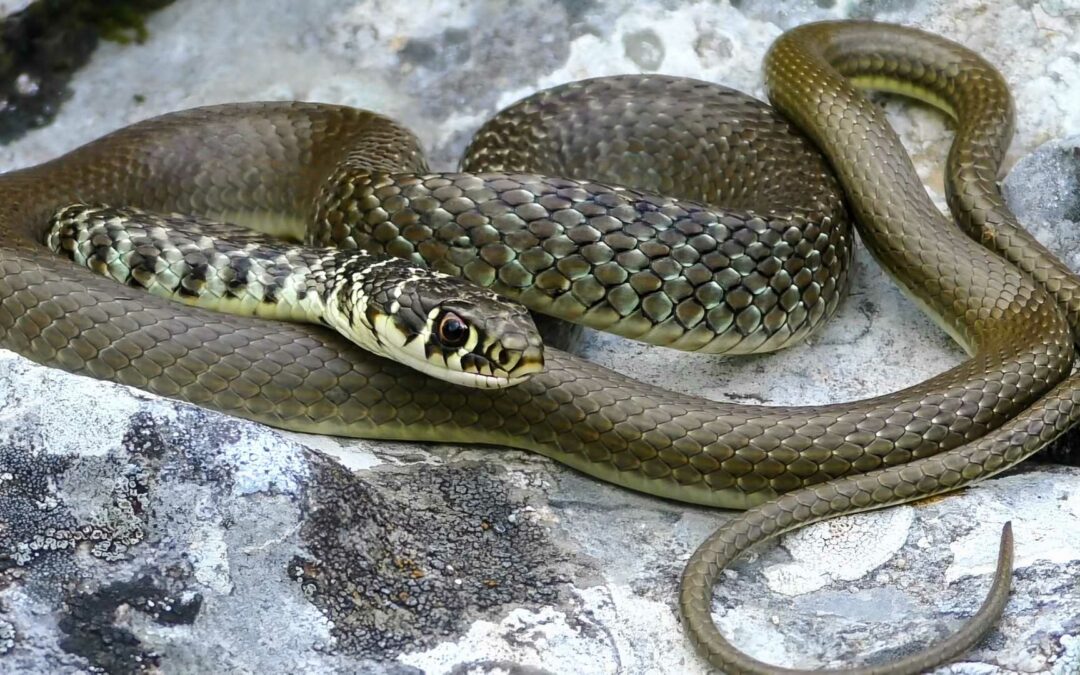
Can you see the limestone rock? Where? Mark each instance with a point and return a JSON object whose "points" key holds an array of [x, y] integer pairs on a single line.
{"points": [[138, 533]]}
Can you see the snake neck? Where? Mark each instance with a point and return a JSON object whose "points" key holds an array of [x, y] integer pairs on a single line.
{"points": [[388, 306]]}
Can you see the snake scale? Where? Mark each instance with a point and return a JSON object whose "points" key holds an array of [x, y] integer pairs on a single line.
{"points": [[439, 324], [559, 204]]}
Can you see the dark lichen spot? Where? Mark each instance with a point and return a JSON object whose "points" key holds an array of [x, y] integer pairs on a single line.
{"points": [[42, 45], [174, 442], [90, 630], [577, 9], [419, 52], [398, 561], [7, 637], [143, 438], [38, 529], [452, 47], [496, 666], [41, 533]]}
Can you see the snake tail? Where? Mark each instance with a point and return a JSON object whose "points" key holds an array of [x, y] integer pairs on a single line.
{"points": [[1004, 448], [805, 73]]}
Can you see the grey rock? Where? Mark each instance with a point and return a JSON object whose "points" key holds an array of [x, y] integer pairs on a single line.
{"points": [[193, 539], [1043, 188], [138, 533]]}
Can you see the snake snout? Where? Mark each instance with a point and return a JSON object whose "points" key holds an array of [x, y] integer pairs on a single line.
{"points": [[508, 346], [466, 334], [515, 348]]}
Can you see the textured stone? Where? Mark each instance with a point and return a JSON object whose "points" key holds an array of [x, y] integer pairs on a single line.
{"points": [[140, 533]]}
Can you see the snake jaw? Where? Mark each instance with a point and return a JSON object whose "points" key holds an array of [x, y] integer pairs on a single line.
{"points": [[439, 325], [467, 366], [502, 347]]}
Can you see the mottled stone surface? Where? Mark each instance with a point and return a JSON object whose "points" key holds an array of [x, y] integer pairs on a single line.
{"points": [[44, 43], [140, 533]]}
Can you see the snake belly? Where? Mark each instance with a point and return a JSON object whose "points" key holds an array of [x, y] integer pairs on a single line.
{"points": [[538, 209]]}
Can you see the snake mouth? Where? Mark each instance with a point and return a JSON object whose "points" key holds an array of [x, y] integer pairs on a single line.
{"points": [[496, 378], [530, 364], [502, 363]]}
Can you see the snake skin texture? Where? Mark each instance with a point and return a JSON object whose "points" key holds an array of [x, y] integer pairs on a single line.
{"points": [[805, 73], [559, 204], [386, 305], [760, 274]]}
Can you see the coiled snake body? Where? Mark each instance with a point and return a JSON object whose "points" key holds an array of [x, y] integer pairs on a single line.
{"points": [[618, 258]]}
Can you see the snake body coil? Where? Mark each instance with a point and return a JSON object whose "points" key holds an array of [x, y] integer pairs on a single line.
{"points": [[675, 270]]}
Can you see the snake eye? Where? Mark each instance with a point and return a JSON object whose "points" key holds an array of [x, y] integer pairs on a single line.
{"points": [[452, 330]]}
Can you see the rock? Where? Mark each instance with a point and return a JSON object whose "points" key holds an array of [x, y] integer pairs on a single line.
{"points": [[139, 533], [45, 42], [1043, 189]]}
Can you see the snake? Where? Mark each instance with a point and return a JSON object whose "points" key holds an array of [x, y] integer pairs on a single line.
{"points": [[644, 205], [436, 323]]}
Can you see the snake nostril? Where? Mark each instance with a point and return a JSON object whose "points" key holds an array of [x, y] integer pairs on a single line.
{"points": [[514, 342]]}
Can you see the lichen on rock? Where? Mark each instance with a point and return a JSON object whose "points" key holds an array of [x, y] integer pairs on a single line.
{"points": [[140, 534], [402, 559]]}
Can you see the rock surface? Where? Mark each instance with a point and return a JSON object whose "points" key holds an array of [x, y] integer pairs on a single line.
{"points": [[140, 533], [44, 43]]}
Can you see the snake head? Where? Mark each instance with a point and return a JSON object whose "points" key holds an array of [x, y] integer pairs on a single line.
{"points": [[440, 325]]}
